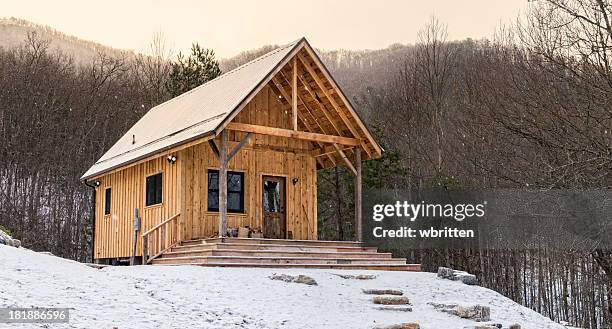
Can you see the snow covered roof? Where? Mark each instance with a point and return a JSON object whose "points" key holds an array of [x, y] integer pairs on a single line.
{"points": [[191, 115], [200, 112]]}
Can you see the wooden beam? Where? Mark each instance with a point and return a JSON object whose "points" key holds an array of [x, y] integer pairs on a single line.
{"points": [[331, 99], [294, 100], [223, 184], [346, 160], [239, 146], [327, 150], [279, 132], [351, 110], [358, 196], [321, 106], [279, 86], [214, 147]]}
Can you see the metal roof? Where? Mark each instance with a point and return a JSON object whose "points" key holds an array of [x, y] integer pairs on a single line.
{"points": [[194, 114]]}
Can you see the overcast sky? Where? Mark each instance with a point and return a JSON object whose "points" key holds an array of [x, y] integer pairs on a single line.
{"points": [[232, 26]]}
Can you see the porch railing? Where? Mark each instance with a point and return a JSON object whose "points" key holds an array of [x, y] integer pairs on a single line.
{"points": [[160, 238]]}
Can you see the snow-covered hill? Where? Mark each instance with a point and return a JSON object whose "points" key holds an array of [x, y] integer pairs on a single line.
{"points": [[196, 297]]}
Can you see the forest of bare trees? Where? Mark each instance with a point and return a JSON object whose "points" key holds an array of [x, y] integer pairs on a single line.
{"points": [[530, 108]]}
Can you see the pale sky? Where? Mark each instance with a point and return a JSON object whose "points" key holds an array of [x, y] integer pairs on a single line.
{"points": [[230, 27]]}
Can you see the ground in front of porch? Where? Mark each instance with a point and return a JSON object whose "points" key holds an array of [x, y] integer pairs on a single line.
{"points": [[211, 297]]}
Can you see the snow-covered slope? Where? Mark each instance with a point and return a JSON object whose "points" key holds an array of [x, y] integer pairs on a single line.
{"points": [[196, 297]]}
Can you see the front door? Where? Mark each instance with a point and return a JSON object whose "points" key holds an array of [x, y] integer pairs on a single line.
{"points": [[274, 219]]}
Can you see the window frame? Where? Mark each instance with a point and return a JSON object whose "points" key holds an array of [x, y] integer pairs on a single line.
{"points": [[146, 190], [242, 209], [108, 199]]}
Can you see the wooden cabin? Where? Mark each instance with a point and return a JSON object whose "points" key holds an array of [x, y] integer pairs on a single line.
{"points": [[241, 150]]}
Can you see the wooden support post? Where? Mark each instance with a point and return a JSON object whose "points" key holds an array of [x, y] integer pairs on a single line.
{"points": [[145, 249], [358, 196], [136, 229], [223, 184], [294, 95], [346, 160]]}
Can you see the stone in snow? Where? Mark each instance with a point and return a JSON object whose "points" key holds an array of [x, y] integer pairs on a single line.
{"points": [[472, 312], [390, 300], [296, 279], [394, 292], [410, 325], [450, 274]]}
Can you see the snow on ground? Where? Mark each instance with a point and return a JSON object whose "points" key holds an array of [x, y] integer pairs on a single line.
{"points": [[200, 297]]}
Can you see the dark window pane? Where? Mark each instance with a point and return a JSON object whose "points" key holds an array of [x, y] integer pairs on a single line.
{"points": [[107, 201], [213, 180], [154, 190], [234, 201], [213, 200], [234, 182], [235, 191]]}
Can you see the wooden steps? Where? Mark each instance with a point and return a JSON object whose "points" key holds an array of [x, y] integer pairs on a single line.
{"points": [[282, 253]]}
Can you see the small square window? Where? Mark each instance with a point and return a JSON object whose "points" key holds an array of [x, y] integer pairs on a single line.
{"points": [[154, 190]]}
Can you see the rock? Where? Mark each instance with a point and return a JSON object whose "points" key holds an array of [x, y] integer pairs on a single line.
{"points": [[472, 312], [410, 325], [390, 300], [394, 308], [357, 277], [446, 273], [515, 326], [382, 292], [297, 279], [8, 240], [469, 279], [489, 326], [454, 275], [305, 280], [282, 277]]}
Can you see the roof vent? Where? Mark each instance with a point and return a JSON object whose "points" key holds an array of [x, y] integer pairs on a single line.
{"points": [[133, 139]]}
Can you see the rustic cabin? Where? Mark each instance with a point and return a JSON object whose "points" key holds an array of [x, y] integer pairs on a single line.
{"points": [[226, 174]]}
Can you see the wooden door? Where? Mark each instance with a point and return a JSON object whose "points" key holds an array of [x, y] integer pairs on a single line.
{"points": [[274, 208]]}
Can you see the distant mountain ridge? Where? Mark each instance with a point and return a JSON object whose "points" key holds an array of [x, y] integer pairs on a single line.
{"points": [[355, 70], [14, 31]]}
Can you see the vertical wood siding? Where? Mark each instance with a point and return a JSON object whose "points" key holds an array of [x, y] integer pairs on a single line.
{"points": [[185, 185]]}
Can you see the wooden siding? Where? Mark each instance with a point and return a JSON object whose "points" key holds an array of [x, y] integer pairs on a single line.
{"points": [[115, 232], [263, 155], [185, 188], [300, 198]]}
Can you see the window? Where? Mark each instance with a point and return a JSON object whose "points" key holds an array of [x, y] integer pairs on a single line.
{"points": [[107, 201], [235, 191], [154, 189]]}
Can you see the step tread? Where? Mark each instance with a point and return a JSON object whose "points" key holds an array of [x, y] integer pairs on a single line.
{"points": [[276, 245], [288, 240], [340, 253], [404, 267], [283, 258]]}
